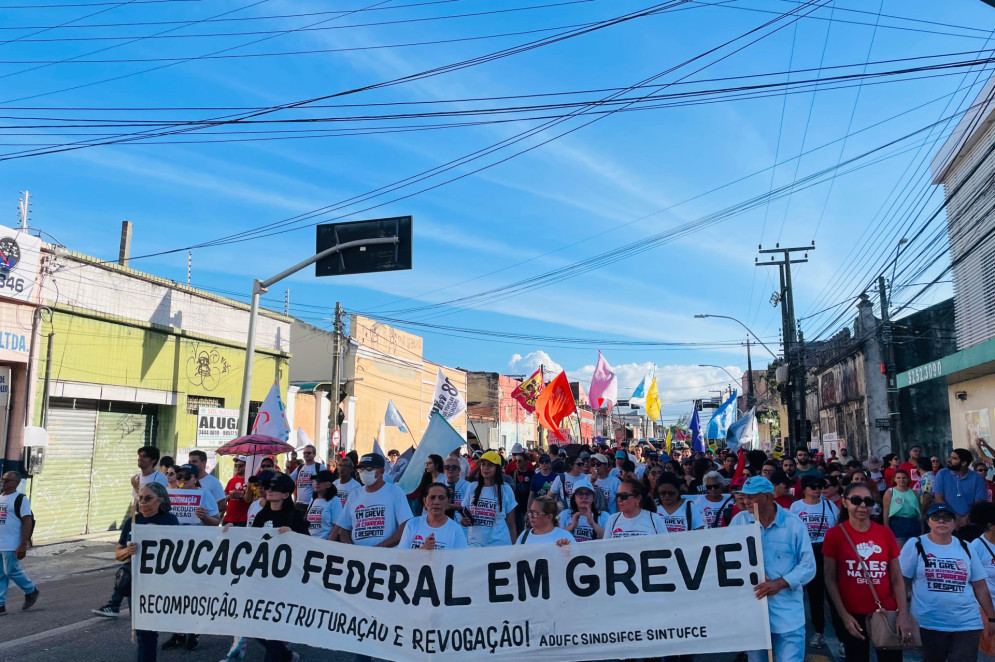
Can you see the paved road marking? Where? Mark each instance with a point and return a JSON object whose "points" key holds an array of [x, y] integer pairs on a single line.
{"points": [[72, 627]]}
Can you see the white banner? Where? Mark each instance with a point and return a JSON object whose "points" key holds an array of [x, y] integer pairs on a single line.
{"points": [[446, 399], [184, 504], [636, 597]]}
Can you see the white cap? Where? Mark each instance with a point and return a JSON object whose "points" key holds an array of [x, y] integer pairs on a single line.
{"points": [[517, 449], [242, 458]]}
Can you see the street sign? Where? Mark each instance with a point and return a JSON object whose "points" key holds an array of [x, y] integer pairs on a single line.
{"points": [[364, 259], [882, 423]]}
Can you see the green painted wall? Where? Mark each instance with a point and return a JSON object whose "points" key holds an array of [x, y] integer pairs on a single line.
{"points": [[110, 352]]}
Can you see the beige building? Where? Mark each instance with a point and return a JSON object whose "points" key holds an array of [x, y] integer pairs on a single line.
{"points": [[379, 364]]}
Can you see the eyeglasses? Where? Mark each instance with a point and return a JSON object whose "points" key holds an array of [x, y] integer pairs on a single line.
{"points": [[535, 513], [274, 489], [544, 462], [668, 493], [307, 453], [584, 495], [713, 487], [183, 476], [942, 517], [861, 501], [172, 474], [624, 496], [147, 498]]}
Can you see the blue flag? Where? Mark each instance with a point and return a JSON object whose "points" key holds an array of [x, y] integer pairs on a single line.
{"points": [[440, 438], [697, 442], [723, 417]]}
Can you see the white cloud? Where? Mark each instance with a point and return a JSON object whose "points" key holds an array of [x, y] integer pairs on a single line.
{"points": [[528, 364]]}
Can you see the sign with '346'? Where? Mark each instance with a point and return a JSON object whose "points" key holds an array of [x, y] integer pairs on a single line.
{"points": [[19, 259]]}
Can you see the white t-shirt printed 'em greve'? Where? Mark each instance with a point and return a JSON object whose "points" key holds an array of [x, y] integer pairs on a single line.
{"points": [[374, 516]]}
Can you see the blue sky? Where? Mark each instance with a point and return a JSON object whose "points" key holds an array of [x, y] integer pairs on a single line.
{"points": [[617, 181]]}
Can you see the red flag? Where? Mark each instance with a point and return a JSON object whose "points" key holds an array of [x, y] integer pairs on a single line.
{"points": [[528, 391], [555, 403]]}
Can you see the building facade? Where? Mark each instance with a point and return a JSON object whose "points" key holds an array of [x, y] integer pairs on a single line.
{"points": [[495, 419]]}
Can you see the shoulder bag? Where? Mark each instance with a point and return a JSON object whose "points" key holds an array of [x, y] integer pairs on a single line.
{"points": [[881, 627]]}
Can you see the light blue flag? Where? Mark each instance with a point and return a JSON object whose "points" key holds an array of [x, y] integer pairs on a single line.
{"points": [[743, 433], [394, 418], [440, 438], [638, 397], [377, 449], [723, 417]]}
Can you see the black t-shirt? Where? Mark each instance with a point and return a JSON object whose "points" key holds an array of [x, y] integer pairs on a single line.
{"points": [[288, 515], [162, 519]]}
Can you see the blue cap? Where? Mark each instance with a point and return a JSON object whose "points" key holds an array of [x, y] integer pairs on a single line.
{"points": [[664, 457], [757, 485], [940, 508], [621, 454]]}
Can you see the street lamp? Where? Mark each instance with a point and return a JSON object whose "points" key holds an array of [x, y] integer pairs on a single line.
{"points": [[748, 329], [731, 376]]}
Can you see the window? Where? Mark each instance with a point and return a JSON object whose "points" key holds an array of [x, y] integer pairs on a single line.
{"points": [[195, 402]]}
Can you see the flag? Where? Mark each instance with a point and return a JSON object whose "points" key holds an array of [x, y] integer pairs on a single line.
{"points": [[446, 400], [653, 402], [604, 386], [402, 462], [302, 440], [638, 397], [680, 435], [697, 443], [666, 444], [440, 438], [271, 420], [743, 433], [377, 449], [723, 417], [554, 404], [393, 417], [528, 391]]}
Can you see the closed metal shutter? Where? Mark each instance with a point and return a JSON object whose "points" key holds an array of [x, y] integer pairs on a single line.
{"points": [[60, 494], [115, 461]]}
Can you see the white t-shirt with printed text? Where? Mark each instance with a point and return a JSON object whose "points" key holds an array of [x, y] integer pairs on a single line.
{"points": [[448, 536], [609, 486], [550, 538], [583, 532], [646, 523], [678, 520], [374, 516], [345, 489], [818, 518], [10, 526], [489, 527], [303, 477]]}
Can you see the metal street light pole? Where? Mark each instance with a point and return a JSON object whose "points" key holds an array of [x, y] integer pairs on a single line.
{"points": [[260, 287], [748, 329], [709, 365]]}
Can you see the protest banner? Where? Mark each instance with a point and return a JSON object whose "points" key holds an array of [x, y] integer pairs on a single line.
{"points": [[184, 503], [644, 596]]}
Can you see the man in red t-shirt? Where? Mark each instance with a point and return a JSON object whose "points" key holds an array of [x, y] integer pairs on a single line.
{"points": [[238, 510], [913, 468]]}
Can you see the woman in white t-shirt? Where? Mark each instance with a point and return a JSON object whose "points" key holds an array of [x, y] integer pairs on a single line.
{"points": [[678, 513], [488, 506], [347, 479], [433, 530], [324, 509], [582, 519], [542, 515], [636, 514], [948, 585]]}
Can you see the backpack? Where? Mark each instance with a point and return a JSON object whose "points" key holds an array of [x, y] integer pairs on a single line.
{"points": [[922, 552], [18, 500]]}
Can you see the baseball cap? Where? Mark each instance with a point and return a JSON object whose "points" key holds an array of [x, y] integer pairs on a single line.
{"points": [[371, 461], [189, 468], [282, 483], [600, 457], [324, 476], [241, 458], [940, 508], [620, 454], [543, 458], [664, 457], [758, 485], [583, 484], [266, 476], [817, 482], [562, 451], [492, 457]]}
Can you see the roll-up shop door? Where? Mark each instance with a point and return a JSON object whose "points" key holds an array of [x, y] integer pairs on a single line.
{"points": [[122, 428], [60, 495]]}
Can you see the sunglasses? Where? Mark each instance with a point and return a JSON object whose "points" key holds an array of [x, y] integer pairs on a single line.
{"points": [[942, 517], [451, 467], [713, 487], [861, 501], [668, 493], [147, 499], [624, 496], [170, 474]]}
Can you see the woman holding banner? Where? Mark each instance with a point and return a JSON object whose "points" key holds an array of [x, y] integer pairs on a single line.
{"points": [[847, 572], [433, 530], [542, 514], [582, 519], [636, 514], [489, 506]]}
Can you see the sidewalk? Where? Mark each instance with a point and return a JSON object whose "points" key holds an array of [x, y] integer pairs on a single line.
{"points": [[47, 563]]}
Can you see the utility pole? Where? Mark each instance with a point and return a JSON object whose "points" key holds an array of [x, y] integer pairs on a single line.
{"points": [[793, 345], [286, 303], [333, 414], [894, 415], [189, 266], [750, 397], [24, 209]]}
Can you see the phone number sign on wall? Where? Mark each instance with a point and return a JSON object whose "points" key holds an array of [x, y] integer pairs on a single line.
{"points": [[216, 426]]}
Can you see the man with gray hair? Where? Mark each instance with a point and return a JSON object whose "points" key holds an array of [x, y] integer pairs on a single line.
{"points": [[16, 524], [303, 476]]}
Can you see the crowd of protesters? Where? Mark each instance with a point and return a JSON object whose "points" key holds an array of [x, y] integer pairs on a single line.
{"points": [[853, 537]]}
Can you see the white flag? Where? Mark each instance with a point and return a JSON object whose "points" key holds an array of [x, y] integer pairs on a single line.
{"points": [[394, 418], [302, 440], [272, 418], [743, 433], [446, 400]]}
